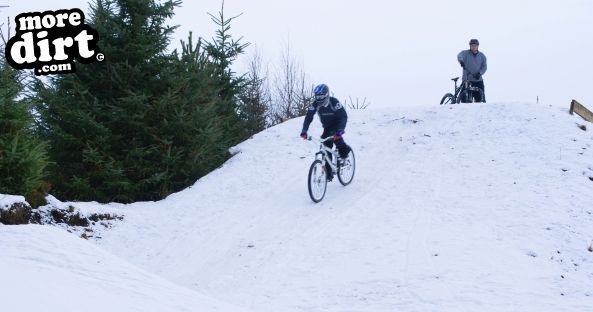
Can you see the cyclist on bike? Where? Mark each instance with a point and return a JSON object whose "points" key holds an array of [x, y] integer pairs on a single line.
{"points": [[474, 67], [333, 119]]}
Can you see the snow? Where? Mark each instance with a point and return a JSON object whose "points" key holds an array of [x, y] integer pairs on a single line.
{"points": [[471, 207], [8, 200], [47, 269]]}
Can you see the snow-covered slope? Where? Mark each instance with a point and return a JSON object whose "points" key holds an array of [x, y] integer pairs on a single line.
{"points": [[473, 207], [44, 268], [481, 207]]}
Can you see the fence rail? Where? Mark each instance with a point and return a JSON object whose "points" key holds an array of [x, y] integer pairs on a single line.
{"points": [[581, 110]]}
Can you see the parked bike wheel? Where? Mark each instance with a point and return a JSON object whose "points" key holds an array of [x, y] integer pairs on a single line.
{"points": [[317, 181], [346, 170], [464, 97], [474, 95], [447, 99]]}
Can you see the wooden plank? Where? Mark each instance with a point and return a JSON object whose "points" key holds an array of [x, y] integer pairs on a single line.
{"points": [[581, 110]]}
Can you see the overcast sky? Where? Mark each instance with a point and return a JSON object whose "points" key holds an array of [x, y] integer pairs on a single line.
{"points": [[396, 52]]}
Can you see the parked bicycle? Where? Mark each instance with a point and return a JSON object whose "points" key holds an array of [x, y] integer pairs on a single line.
{"points": [[465, 93], [344, 168]]}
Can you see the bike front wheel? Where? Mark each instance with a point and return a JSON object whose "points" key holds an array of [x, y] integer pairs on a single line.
{"points": [[317, 181], [474, 95], [465, 96], [447, 99], [346, 170]]}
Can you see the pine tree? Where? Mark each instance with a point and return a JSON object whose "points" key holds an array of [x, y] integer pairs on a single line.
{"points": [[23, 157], [101, 121], [223, 50], [145, 122], [195, 104]]}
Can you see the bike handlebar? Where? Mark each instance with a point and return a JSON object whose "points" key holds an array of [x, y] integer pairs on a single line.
{"points": [[311, 138]]}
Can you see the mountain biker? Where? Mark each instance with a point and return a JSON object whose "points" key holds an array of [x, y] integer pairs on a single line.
{"points": [[474, 67], [333, 118]]}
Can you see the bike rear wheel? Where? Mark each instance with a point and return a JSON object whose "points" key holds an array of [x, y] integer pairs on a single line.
{"points": [[317, 181], [447, 99], [346, 170]]}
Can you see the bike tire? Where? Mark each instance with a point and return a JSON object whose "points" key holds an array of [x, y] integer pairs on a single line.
{"points": [[447, 99], [347, 169], [317, 181], [464, 96]]}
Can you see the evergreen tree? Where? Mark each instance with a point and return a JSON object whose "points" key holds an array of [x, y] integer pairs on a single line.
{"points": [[223, 50], [196, 101], [144, 123], [23, 157]]}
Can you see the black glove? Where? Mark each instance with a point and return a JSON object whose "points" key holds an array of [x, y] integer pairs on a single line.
{"points": [[304, 135], [462, 64], [477, 76]]}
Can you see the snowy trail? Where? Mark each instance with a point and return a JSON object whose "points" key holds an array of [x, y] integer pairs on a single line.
{"points": [[455, 208], [47, 269]]}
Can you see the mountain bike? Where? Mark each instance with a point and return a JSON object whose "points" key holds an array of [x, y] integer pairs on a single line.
{"points": [[317, 180], [463, 93]]}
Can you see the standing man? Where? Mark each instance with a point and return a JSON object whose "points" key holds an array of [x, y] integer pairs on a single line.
{"points": [[474, 67]]}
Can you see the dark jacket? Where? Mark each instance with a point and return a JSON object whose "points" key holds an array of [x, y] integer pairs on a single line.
{"points": [[332, 117], [474, 64]]}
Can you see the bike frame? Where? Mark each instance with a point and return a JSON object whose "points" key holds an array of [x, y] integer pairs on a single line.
{"points": [[457, 89], [324, 151], [318, 171], [465, 85]]}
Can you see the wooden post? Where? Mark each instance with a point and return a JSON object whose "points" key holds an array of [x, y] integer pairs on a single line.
{"points": [[576, 107]]}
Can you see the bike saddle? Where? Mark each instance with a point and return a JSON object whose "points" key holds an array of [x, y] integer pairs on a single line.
{"points": [[455, 79]]}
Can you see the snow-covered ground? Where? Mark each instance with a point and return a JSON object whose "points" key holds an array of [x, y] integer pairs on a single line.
{"points": [[7, 200], [43, 268], [472, 207]]}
